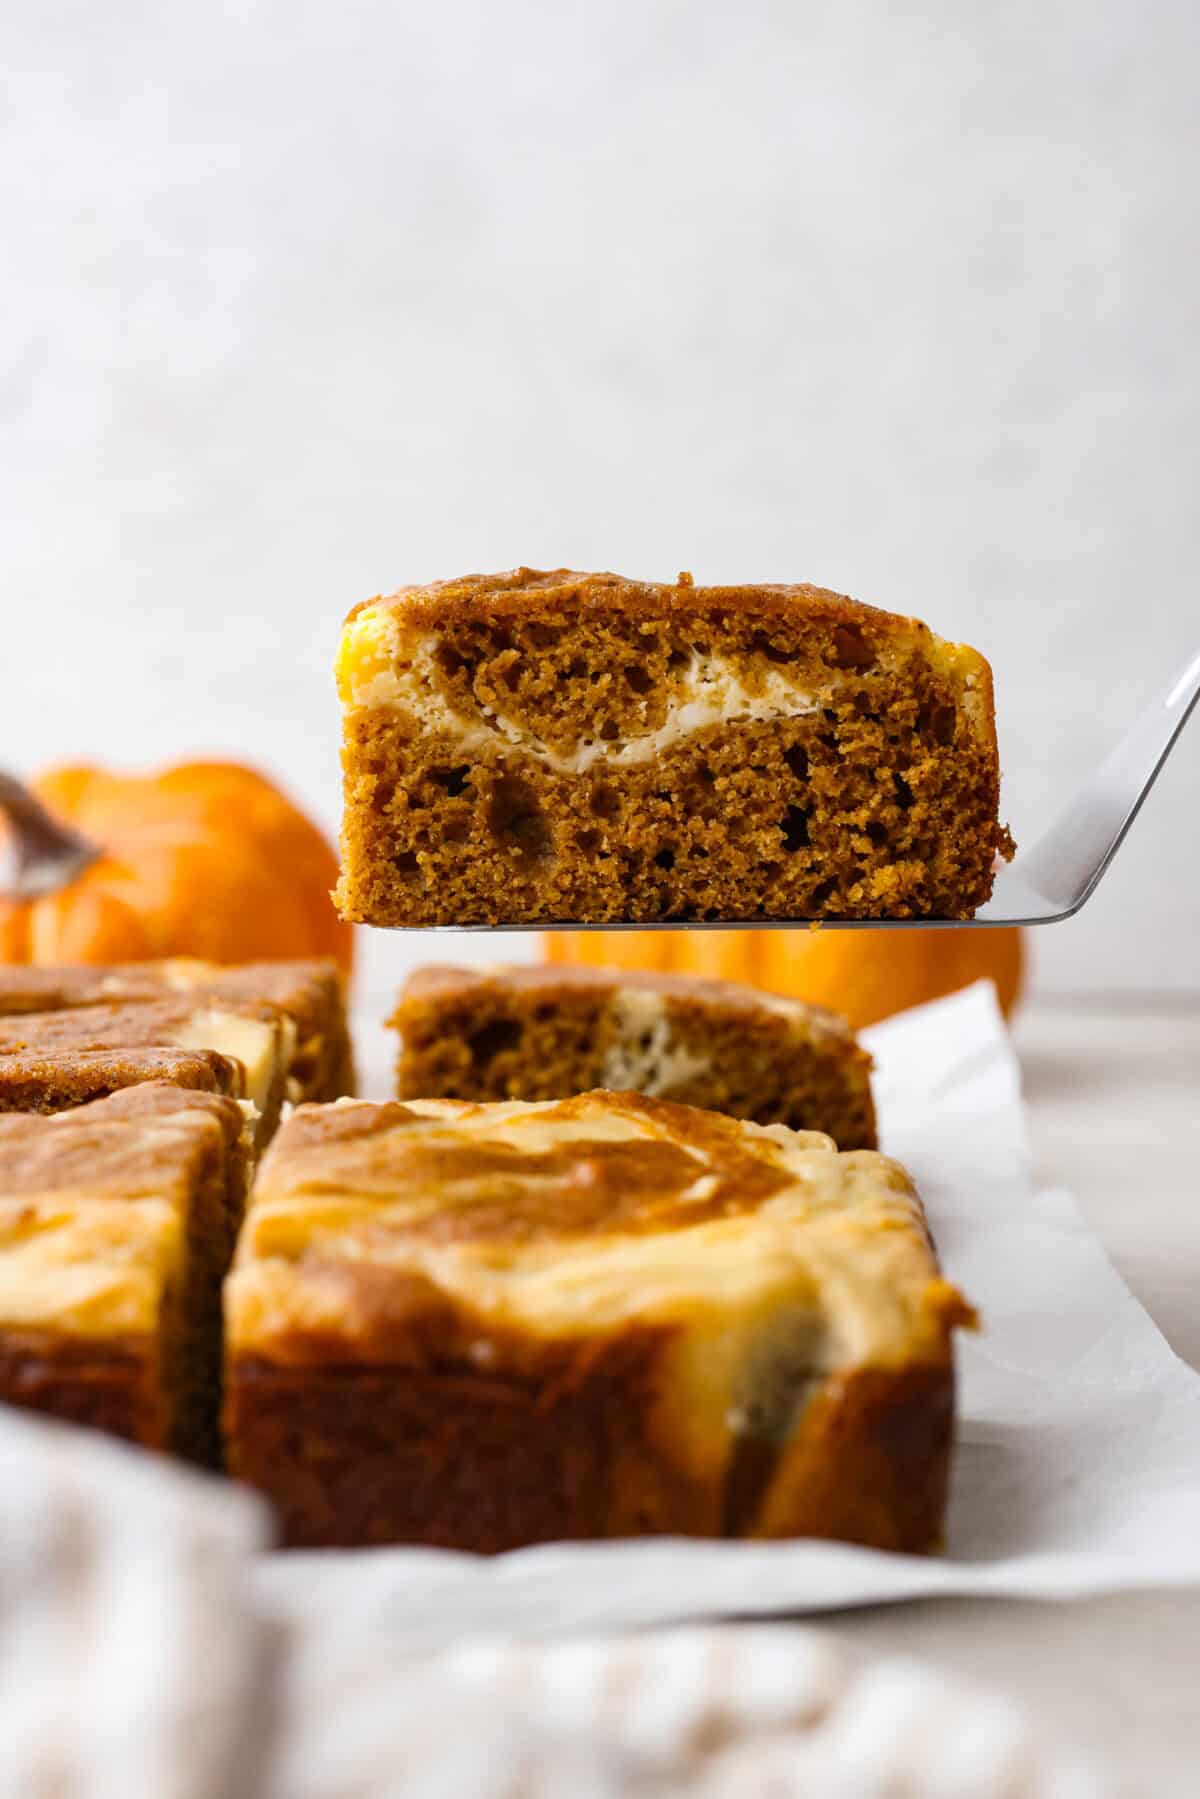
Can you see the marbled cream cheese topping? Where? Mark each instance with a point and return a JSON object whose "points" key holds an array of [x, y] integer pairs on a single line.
{"points": [[567, 1217], [376, 668], [94, 1204], [643, 1056]]}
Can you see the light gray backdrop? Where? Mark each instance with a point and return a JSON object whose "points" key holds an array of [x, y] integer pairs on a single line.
{"points": [[300, 302]]}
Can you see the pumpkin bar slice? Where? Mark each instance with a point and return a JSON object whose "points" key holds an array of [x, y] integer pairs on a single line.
{"points": [[117, 1221], [545, 1033], [532, 747], [60, 1079], [257, 1039], [309, 993], [481, 1326]]}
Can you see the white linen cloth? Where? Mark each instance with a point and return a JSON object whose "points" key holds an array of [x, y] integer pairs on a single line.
{"points": [[138, 1661]]}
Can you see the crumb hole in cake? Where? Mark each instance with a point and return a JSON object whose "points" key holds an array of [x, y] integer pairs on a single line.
{"points": [[823, 891], [850, 648], [795, 828], [768, 648], [406, 862], [454, 780], [904, 793], [541, 636], [877, 832], [937, 721], [491, 1039], [456, 830], [449, 660], [512, 676], [576, 668], [588, 841], [677, 659], [610, 730], [665, 858], [797, 760], [517, 820], [605, 802], [638, 679]]}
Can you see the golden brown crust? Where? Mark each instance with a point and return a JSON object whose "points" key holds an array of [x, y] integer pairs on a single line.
{"points": [[534, 747], [442, 980], [517, 591], [54, 1082], [545, 1032]]}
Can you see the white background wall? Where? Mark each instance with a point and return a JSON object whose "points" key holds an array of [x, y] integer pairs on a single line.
{"points": [[302, 301]]}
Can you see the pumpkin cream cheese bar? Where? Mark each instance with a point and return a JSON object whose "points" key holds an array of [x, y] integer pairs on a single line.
{"points": [[561, 747], [255, 1040], [309, 995], [481, 1326], [117, 1223], [548, 1032]]}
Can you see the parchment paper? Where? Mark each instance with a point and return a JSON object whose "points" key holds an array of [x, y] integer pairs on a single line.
{"points": [[1078, 1466]]}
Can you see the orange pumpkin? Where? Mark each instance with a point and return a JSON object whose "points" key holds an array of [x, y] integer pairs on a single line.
{"points": [[865, 975], [208, 859]]}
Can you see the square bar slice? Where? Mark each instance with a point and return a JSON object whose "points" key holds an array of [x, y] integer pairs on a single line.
{"points": [[257, 1039], [549, 1032], [117, 1222], [309, 993], [481, 1326], [528, 747]]}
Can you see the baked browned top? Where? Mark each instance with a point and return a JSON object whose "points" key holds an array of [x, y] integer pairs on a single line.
{"points": [[252, 1035], [27, 1078], [514, 590], [94, 1205], [303, 989], [438, 981], [570, 1218]]}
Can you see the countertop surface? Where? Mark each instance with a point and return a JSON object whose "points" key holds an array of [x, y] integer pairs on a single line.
{"points": [[1114, 1105]]}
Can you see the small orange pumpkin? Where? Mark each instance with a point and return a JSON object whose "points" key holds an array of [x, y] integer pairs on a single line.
{"points": [[208, 859], [865, 975]]}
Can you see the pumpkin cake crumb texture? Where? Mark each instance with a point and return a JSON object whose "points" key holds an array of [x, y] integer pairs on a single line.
{"points": [[533, 747], [545, 1033]]}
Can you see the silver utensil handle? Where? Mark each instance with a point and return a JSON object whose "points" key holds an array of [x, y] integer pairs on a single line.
{"points": [[1067, 862], [38, 854]]}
